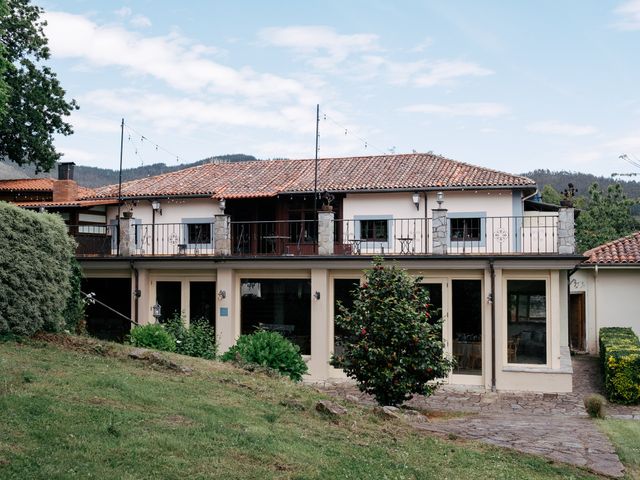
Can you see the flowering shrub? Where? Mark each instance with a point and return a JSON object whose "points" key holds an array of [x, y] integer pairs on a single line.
{"points": [[268, 349], [153, 336], [394, 346]]}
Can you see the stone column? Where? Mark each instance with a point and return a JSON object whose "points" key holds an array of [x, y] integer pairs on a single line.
{"points": [[127, 236], [325, 233], [439, 231], [222, 234], [566, 231]]}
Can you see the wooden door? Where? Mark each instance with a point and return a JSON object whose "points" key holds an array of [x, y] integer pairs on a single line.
{"points": [[577, 321]]}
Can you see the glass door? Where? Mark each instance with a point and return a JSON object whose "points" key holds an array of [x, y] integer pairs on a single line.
{"points": [[466, 330]]}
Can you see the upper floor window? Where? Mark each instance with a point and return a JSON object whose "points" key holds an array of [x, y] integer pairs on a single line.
{"points": [[374, 230], [465, 229], [199, 233]]}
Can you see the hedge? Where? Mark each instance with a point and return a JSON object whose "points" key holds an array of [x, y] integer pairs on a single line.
{"points": [[35, 268], [620, 357]]}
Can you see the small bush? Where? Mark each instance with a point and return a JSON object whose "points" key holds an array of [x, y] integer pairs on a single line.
{"points": [[153, 336], [271, 350], [199, 340], [620, 357], [594, 404]]}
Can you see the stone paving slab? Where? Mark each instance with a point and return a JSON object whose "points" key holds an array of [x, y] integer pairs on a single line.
{"points": [[571, 440], [555, 426]]}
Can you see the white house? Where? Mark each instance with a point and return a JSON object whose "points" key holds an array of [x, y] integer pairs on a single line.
{"points": [[605, 292], [250, 244]]}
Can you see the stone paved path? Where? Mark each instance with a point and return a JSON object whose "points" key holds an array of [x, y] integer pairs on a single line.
{"points": [[555, 426]]}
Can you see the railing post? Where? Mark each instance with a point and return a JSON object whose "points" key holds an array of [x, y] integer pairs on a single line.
{"points": [[439, 230], [222, 234], [566, 231], [325, 232], [127, 235]]}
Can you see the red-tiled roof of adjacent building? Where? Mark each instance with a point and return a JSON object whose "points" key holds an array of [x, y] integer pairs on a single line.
{"points": [[268, 178], [27, 184], [623, 251], [72, 203]]}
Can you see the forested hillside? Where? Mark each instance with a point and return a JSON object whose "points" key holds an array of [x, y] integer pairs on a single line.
{"points": [[581, 181]]}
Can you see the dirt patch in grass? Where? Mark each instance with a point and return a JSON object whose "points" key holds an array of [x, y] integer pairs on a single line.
{"points": [[79, 344]]}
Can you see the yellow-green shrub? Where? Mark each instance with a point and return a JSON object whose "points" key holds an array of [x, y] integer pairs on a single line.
{"points": [[620, 357]]}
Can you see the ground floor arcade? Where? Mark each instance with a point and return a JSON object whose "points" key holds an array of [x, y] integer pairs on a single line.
{"points": [[505, 320]]}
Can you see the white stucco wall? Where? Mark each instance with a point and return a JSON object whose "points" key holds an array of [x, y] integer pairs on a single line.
{"points": [[612, 299]]}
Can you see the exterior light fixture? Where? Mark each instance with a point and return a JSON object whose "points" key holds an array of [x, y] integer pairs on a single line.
{"points": [[156, 206], [222, 203], [222, 294], [42, 210], [440, 199], [157, 312], [416, 200], [316, 295]]}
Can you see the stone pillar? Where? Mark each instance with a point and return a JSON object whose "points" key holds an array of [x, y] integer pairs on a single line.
{"points": [[127, 236], [325, 233], [566, 231], [228, 326], [320, 341], [439, 231], [222, 234]]}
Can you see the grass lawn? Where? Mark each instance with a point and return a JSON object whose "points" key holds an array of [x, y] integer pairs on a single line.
{"points": [[625, 435], [87, 411]]}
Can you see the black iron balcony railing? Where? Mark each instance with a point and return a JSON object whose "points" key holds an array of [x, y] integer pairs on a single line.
{"points": [[508, 235]]}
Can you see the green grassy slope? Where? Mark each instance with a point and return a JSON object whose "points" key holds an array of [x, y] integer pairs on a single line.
{"points": [[87, 411]]}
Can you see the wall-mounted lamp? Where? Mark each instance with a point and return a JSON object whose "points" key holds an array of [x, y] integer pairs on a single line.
{"points": [[222, 294], [222, 203], [416, 200], [157, 312], [137, 293], [42, 210], [316, 295], [440, 199], [156, 206]]}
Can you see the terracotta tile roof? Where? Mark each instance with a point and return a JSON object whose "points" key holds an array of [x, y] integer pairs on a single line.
{"points": [[625, 250], [27, 184], [270, 177], [78, 203]]}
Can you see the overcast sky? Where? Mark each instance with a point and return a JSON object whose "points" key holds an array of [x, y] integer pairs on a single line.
{"points": [[507, 85]]}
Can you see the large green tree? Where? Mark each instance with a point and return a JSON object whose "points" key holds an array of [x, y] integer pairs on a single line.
{"points": [[35, 105], [3, 64], [607, 216]]}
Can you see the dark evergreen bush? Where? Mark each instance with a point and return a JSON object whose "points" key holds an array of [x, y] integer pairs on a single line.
{"points": [[199, 340], [394, 345], [268, 349], [74, 311], [34, 271]]}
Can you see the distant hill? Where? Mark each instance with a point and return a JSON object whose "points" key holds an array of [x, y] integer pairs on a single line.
{"points": [[96, 177], [581, 181]]}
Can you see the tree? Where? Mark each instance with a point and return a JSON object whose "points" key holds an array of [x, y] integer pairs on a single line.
{"points": [[394, 345], [551, 195], [3, 64], [607, 217], [35, 103]]}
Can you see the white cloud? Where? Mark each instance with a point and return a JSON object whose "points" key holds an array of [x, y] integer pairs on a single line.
{"points": [[123, 12], [478, 109], [172, 58], [140, 21], [629, 144], [322, 45], [558, 128], [420, 73], [169, 113], [76, 155], [629, 14]]}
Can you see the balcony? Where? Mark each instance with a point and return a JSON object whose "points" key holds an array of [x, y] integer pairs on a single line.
{"points": [[513, 235]]}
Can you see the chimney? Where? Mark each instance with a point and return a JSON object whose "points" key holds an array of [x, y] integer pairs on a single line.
{"points": [[65, 170], [65, 189]]}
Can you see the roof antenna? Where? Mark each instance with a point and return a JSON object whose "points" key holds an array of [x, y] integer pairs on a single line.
{"points": [[315, 180]]}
